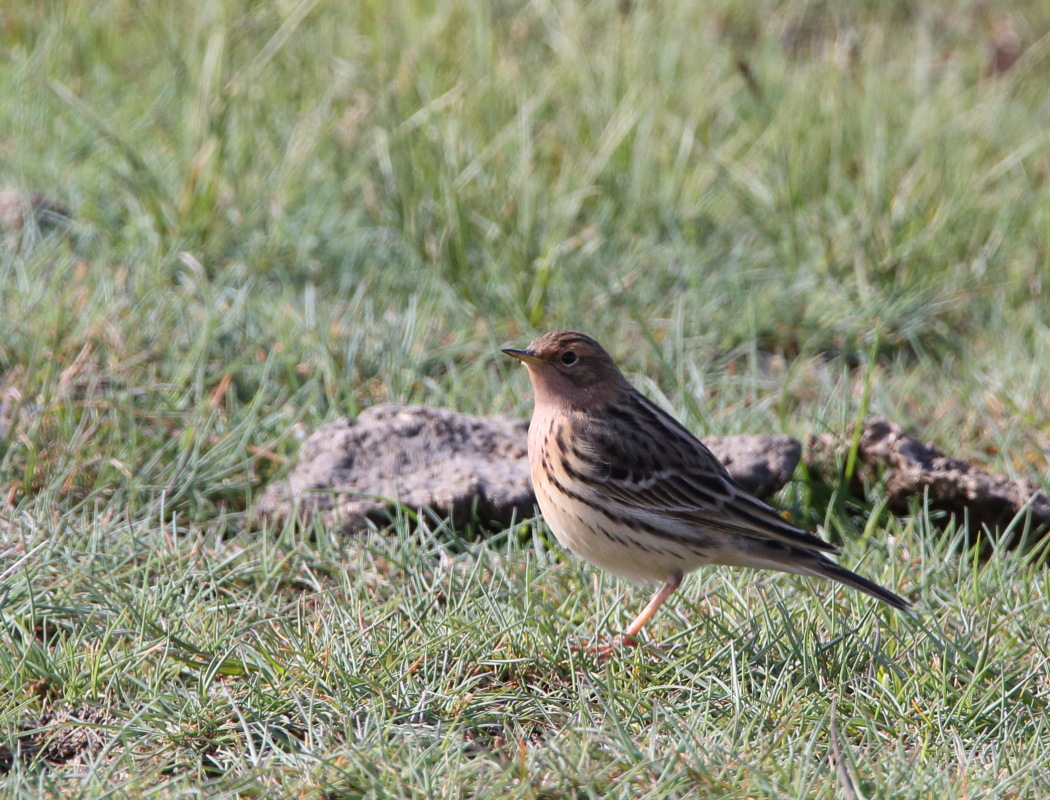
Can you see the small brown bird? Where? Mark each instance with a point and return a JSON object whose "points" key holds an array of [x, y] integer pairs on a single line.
{"points": [[624, 485]]}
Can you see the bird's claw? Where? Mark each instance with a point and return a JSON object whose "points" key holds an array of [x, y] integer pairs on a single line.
{"points": [[604, 650]]}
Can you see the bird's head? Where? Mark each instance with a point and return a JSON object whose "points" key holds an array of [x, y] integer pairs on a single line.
{"points": [[570, 368]]}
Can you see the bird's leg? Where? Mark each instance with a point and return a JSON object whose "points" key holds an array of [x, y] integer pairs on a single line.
{"points": [[626, 639], [658, 599]]}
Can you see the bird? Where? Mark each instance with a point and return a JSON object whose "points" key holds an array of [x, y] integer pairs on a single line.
{"points": [[625, 486]]}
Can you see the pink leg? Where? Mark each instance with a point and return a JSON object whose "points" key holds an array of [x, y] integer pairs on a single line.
{"points": [[658, 600], [626, 639]]}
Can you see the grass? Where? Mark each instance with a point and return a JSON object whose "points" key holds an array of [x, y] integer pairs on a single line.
{"points": [[776, 214]]}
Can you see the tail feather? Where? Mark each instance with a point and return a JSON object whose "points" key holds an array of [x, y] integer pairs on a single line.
{"points": [[826, 568], [805, 561]]}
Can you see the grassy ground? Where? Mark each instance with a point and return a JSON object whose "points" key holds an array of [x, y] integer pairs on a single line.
{"points": [[283, 212]]}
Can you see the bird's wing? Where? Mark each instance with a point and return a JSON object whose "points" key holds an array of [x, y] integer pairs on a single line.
{"points": [[649, 464]]}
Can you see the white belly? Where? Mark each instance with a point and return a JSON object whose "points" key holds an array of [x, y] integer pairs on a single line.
{"points": [[588, 533]]}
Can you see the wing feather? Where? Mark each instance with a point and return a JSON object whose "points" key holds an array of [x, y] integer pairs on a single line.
{"points": [[683, 480]]}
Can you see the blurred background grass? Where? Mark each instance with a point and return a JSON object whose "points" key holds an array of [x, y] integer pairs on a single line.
{"points": [[282, 212]]}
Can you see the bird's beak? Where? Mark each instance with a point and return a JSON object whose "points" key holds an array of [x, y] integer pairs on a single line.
{"points": [[525, 356]]}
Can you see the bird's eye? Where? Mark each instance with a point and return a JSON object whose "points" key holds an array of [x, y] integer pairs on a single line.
{"points": [[568, 358]]}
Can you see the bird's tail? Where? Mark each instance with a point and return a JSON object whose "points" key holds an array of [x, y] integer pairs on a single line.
{"points": [[826, 568], [803, 561]]}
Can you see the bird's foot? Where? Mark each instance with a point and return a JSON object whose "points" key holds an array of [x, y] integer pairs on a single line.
{"points": [[607, 649]]}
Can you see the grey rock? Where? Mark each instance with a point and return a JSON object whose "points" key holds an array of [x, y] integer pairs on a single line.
{"points": [[20, 210], [68, 738], [761, 463], [912, 468], [352, 471]]}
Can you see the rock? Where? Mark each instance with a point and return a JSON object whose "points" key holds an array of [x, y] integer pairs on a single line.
{"points": [[913, 468], [352, 471], [1005, 47], [62, 738], [762, 464], [19, 210]]}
